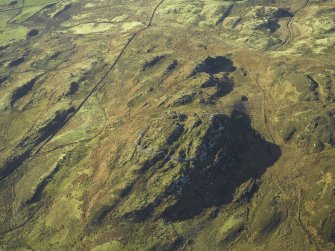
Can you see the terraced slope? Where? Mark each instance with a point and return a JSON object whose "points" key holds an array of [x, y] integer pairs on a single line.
{"points": [[167, 125]]}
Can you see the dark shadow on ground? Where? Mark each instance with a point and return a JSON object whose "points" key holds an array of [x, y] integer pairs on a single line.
{"points": [[215, 65], [231, 153]]}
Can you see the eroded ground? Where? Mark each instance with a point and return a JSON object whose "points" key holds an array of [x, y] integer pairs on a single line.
{"points": [[167, 125]]}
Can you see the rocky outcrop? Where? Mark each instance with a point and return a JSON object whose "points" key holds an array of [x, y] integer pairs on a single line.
{"points": [[220, 166], [21, 91], [152, 62]]}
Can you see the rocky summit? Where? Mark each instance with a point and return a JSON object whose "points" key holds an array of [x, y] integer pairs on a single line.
{"points": [[167, 125]]}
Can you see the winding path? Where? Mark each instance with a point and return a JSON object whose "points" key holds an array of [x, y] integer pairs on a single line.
{"points": [[288, 26], [265, 119], [94, 89], [99, 83], [283, 44]]}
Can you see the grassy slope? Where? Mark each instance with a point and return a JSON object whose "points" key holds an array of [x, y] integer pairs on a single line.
{"points": [[102, 182]]}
